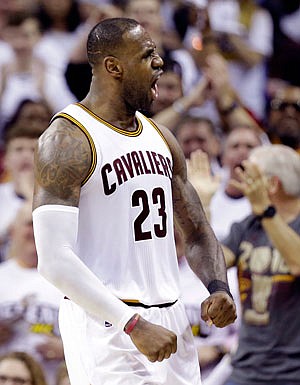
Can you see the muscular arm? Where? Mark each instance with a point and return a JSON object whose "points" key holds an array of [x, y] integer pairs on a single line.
{"points": [[202, 248], [203, 251], [62, 161]]}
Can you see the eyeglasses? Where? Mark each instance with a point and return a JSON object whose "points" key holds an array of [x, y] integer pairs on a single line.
{"points": [[281, 105], [14, 380]]}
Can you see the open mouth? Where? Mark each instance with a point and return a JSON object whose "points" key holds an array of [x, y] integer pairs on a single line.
{"points": [[154, 89]]}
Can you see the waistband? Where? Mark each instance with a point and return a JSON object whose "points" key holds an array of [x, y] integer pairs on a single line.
{"points": [[140, 304]]}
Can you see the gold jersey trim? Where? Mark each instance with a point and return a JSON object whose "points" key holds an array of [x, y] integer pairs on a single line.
{"points": [[137, 132], [283, 278], [90, 140]]}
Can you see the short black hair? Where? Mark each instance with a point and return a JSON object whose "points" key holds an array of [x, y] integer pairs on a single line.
{"points": [[107, 37]]}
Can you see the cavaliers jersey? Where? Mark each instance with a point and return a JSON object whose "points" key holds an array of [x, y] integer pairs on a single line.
{"points": [[125, 233]]}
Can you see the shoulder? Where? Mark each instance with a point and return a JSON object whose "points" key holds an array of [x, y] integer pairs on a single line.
{"points": [[63, 149], [63, 135]]}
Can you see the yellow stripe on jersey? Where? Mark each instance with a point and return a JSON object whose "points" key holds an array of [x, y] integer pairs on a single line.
{"points": [[137, 132], [90, 140], [283, 278], [130, 300]]}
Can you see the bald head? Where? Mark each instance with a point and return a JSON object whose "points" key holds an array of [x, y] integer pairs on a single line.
{"points": [[107, 38]]}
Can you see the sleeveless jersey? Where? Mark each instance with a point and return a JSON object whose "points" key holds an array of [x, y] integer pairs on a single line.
{"points": [[125, 233]]}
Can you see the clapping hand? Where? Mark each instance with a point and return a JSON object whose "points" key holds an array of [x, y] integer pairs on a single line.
{"points": [[200, 176], [253, 184]]}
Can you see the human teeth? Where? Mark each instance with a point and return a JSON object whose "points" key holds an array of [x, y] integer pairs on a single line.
{"points": [[156, 90]]}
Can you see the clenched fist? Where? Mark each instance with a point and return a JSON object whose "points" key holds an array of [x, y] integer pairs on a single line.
{"points": [[155, 342], [218, 309]]}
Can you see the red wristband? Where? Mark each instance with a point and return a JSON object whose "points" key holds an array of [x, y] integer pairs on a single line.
{"points": [[131, 324]]}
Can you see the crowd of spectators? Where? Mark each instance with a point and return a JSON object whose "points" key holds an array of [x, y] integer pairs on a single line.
{"points": [[231, 83]]}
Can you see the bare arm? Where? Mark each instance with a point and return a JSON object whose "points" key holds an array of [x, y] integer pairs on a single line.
{"points": [[203, 251], [286, 241], [62, 161]]}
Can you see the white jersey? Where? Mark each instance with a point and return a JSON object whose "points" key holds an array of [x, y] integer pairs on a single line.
{"points": [[29, 304], [125, 233]]}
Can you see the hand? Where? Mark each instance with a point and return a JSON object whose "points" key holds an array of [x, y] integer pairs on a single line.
{"points": [[218, 309], [200, 176], [51, 348], [154, 341], [199, 93], [253, 185], [217, 73]]}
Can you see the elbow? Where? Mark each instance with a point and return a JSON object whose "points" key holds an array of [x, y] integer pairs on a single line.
{"points": [[48, 269]]}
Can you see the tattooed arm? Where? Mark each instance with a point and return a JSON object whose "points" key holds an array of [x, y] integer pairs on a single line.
{"points": [[203, 251], [62, 161]]}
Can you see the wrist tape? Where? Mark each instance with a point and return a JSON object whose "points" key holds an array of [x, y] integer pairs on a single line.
{"points": [[217, 285]]}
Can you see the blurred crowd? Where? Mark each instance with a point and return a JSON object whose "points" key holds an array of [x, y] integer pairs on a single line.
{"points": [[230, 92]]}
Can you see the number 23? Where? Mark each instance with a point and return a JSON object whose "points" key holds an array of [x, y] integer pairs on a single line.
{"points": [[140, 198]]}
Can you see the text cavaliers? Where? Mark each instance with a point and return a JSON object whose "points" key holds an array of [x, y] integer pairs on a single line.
{"points": [[131, 165]]}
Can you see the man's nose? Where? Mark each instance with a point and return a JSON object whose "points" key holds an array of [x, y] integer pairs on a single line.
{"points": [[157, 61]]}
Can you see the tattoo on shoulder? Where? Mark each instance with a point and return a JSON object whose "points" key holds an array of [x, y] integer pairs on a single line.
{"points": [[62, 160]]}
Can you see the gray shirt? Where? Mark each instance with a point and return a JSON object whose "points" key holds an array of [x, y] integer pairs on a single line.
{"points": [[269, 337]]}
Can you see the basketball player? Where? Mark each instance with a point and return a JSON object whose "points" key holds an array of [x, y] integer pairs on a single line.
{"points": [[103, 222]]}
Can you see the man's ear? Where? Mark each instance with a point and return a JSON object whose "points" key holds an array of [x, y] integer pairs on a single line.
{"points": [[274, 184], [113, 66]]}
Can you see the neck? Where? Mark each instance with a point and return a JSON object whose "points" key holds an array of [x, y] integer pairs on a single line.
{"points": [[112, 111]]}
